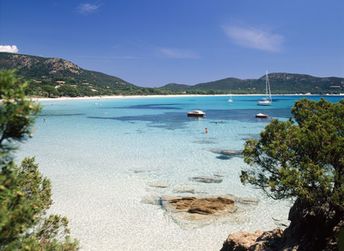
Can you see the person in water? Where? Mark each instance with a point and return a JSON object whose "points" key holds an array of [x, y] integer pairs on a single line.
{"points": [[206, 130]]}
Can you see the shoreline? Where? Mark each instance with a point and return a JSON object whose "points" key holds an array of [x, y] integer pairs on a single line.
{"points": [[167, 96]]}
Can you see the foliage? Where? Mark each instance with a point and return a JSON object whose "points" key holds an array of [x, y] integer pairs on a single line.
{"points": [[303, 157], [16, 112], [25, 195], [24, 225]]}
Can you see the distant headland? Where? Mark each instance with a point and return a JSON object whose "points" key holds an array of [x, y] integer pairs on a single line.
{"points": [[56, 77]]}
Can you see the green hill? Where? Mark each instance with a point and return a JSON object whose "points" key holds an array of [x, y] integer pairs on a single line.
{"points": [[281, 83], [53, 77]]}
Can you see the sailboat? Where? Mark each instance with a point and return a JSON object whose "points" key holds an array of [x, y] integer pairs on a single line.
{"points": [[267, 100]]}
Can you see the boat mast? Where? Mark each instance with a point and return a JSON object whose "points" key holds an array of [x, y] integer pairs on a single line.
{"points": [[267, 86]]}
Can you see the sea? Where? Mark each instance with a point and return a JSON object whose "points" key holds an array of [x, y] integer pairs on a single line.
{"points": [[109, 159]]}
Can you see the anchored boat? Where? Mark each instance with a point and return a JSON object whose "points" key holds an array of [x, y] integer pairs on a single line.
{"points": [[267, 100], [196, 113], [230, 98], [262, 116]]}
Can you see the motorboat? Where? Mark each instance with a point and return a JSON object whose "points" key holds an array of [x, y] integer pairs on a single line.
{"points": [[262, 116], [196, 113]]}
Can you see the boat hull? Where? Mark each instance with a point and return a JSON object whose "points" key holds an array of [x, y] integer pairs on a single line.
{"points": [[196, 115], [264, 103], [262, 116]]}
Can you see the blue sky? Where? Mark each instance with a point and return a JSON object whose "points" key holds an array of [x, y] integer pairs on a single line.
{"points": [[154, 42]]}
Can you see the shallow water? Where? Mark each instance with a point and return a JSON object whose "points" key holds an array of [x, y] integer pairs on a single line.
{"points": [[102, 157]]}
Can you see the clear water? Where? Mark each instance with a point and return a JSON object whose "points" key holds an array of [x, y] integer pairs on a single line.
{"points": [[102, 155]]}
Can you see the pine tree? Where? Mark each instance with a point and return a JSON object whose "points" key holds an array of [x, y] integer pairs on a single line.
{"points": [[303, 159], [25, 195]]}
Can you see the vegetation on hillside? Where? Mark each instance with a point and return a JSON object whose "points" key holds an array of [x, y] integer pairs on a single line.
{"points": [[54, 77], [303, 159], [25, 195], [281, 83]]}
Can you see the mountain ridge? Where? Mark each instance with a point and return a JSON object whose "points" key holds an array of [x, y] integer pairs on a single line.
{"points": [[58, 77], [54, 77], [281, 83]]}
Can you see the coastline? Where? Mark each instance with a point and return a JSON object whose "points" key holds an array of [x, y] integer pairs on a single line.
{"points": [[165, 96]]}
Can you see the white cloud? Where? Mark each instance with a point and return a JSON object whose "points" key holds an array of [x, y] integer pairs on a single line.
{"points": [[9, 48], [254, 38], [87, 8], [178, 53]]}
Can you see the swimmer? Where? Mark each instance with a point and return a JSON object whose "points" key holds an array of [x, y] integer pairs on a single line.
{"points": [[206, 130]]}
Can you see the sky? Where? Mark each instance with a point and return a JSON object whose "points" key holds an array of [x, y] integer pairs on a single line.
{"points": [[155, 42]]}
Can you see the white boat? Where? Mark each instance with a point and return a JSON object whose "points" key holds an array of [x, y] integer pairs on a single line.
{"points": [[262, 116], [267, 100], [264, 101], [230, 98], [196, 113]]}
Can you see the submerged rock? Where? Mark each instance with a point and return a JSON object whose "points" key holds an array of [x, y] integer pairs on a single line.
{"points": [[158, 184], [231, 152], [184, 189], [198, 208], [152, 200], [195, 205], [205, 141], [207, 179], [197, 211], [139, 171], [247, 201], [228, 153]]}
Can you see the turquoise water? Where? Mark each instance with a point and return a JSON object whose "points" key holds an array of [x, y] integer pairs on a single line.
{"points": [[104, 155]]}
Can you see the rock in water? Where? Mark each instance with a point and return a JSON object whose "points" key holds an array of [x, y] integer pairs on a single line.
{"points": [[207, 179], [152, 200], [158, 184], [201, 210], [231, 153], [210, 205], [202, 206], [184, 189]]}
